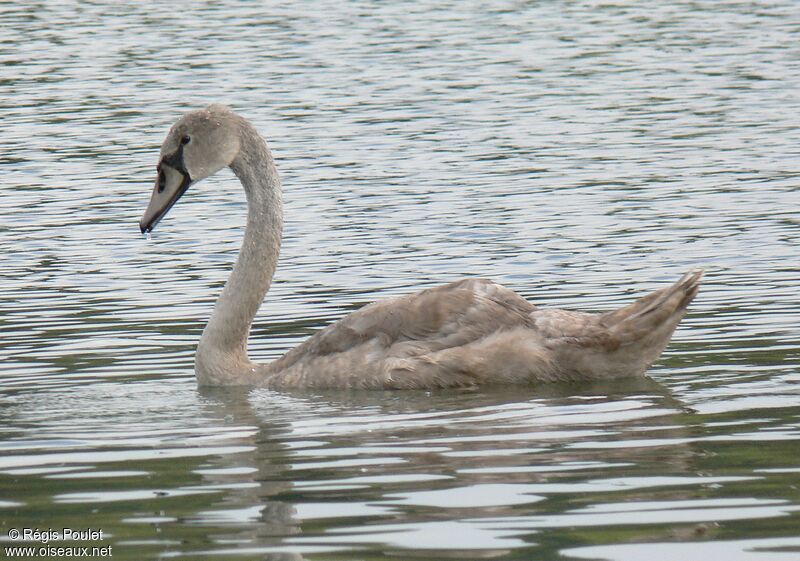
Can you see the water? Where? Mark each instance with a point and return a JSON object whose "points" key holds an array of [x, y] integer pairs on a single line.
{"points": [[579, 152]]}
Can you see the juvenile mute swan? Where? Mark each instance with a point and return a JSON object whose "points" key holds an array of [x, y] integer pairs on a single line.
{"points": [[466, 333]]}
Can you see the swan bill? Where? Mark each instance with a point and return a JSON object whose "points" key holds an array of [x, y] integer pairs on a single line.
{"points": [[170, 186]]}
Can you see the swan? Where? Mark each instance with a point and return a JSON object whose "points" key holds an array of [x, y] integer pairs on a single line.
{"points": [[468, 333]]}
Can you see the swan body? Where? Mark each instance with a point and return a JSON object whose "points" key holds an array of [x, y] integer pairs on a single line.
{"points": [[467, 333]]}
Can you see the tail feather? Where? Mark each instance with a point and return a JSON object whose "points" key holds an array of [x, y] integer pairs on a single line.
{"points": [[617, 344], [655, 316]]}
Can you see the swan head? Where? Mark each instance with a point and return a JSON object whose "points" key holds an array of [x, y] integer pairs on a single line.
{"points": [[198, 145]]}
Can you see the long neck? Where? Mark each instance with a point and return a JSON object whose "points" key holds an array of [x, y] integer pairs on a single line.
{"points": [[222, 353]]}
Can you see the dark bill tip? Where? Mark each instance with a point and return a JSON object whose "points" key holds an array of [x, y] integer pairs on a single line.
{"points": [[147, 227], [151, 219]]}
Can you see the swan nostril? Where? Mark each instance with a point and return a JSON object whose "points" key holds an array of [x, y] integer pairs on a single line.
{"points": [[162, 181]]}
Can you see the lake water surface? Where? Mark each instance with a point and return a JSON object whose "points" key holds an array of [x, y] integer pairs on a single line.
{"points": [[581, 153]]}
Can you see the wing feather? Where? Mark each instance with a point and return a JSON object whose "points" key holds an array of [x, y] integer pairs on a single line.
{"points": [[433, 319]]}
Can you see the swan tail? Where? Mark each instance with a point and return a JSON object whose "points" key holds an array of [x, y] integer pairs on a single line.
{"points": [[646, 325]]}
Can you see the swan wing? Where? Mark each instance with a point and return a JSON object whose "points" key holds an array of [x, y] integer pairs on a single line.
{"points": [[476, 332], [437, 318]]}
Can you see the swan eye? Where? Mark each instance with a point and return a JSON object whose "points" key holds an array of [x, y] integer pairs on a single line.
{"points": [[185, 139], [162, 180]]}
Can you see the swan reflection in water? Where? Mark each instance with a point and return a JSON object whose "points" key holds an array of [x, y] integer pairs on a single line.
{"points": [[386, 469]]}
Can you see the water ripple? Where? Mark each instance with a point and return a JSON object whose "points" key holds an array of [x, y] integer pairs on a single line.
{"points": [[581, 153]]}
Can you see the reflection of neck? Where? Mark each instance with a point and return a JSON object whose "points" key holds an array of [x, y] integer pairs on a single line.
{"points": [[222, 353]]}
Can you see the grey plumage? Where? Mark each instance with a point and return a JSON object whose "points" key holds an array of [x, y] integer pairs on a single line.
{"points": [[471, 332]]}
